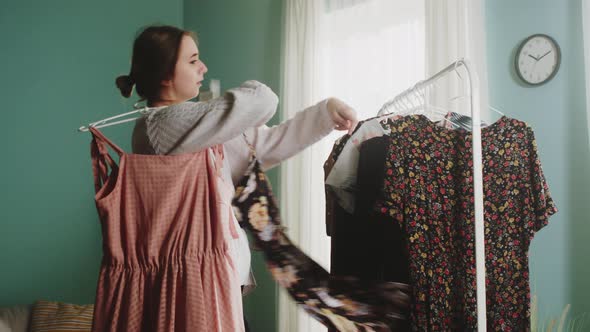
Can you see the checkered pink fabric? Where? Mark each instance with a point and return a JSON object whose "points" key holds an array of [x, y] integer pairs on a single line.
{"points": [[166, 264]]}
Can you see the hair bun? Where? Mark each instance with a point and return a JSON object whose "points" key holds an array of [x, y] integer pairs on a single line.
{"points": [[125, 84]]}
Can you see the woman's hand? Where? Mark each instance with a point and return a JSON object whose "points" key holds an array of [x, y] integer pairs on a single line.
{"points": [[343, 115]]}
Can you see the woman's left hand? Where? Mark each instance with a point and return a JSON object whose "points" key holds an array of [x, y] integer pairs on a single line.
{"points": [[342, 114]]}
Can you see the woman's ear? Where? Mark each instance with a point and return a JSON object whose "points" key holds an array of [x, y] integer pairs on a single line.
{"points": [[166, 83]]}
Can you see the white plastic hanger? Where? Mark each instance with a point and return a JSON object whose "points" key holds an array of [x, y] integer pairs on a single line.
{"points": [[466, 96], [412, 101], [105, 122]]}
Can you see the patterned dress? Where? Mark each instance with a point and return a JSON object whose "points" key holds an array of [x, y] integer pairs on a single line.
{"points": [[345, 304], [429, 192]]}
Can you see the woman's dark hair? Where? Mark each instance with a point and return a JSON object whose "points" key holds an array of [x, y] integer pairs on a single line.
{"points": [[155, 51]]}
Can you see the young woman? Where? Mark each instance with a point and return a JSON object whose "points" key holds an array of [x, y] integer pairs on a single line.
{"points": [[167, 72]]}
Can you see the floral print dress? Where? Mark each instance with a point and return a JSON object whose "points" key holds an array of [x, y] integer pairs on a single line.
{"points": [[428, 190], [345, 304]]}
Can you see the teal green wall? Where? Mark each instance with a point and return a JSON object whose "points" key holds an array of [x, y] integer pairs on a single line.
{"points": [[58, 62], [238, 41], [556, 110]]}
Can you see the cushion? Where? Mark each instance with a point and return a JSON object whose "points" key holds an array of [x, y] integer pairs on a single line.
{"points": [[50, 316], [4, 327], [15, 318]]}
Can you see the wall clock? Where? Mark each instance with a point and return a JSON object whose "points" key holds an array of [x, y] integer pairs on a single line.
{"points": [[537, 59]]}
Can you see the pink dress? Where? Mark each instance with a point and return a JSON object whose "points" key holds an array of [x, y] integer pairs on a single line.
{"points": [[166, 262]]}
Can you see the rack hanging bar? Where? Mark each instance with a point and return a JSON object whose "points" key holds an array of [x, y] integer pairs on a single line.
{"points": [[425, 83]]}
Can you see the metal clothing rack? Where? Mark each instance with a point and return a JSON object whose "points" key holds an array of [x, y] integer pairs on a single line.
{"points": [[408, 97]]}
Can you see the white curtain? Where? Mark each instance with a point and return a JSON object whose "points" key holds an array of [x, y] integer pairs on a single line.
{"points": [[586, 24], [371, 51], [364, 52], [456, 29], [301, 177]]}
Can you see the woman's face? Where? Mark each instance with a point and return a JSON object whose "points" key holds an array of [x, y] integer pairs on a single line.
{"points": [[188, 72]]}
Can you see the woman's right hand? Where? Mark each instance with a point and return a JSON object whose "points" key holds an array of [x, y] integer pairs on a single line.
{"points": [[343, 115]]}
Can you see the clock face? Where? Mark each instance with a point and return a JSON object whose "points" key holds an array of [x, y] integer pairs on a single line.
{"points": [[538, 59]]}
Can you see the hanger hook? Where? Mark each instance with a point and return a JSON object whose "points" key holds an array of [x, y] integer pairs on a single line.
{"points": [[457, 71], [420, 95], [406, 101]]}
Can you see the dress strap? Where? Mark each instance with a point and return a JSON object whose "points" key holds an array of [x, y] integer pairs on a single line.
{"points": [[99, 136], [251, 147], [101, 159], [218, 154]]}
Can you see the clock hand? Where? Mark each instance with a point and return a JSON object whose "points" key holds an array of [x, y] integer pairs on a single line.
{"points": [[544, 55], [534, 57]]}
